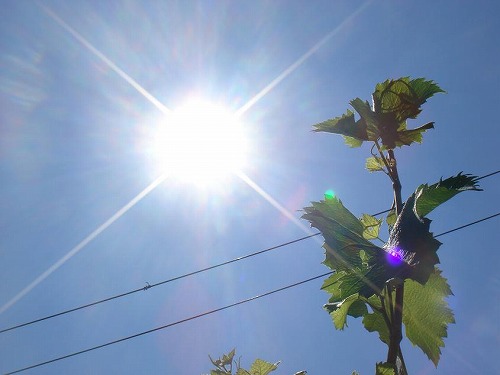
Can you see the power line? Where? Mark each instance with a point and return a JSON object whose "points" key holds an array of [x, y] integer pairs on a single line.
{"points": [[467, 225], [215, 310], [173, 324], [148, 286]]}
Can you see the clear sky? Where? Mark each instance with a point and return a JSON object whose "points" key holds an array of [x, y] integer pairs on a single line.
{"points": [[84, 86]]}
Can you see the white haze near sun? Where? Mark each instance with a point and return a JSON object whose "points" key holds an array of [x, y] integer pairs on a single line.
{"points": [[201, 142]]}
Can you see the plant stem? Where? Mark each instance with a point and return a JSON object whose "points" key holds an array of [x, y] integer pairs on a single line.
{"points": [[396, 184], [396, 323]]}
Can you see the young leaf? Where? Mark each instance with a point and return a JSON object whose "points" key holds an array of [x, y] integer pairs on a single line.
{"points": [[260, 367], [369, 117], [427, 315], [385, 369], [374, 164], [391, 218], [429, 197], [345, 125], [403, 97], [407, 137], [395, 101], [372, 226]]}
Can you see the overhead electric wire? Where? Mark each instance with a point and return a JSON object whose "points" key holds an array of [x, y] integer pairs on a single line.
{"points": [[212, 311], [173, 324], [148, 286], [467, 225]]}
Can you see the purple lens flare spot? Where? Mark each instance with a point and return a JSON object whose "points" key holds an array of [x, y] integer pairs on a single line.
{"points": [[394, 256]]}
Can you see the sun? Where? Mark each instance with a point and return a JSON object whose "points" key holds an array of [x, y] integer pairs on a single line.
{"points": [[200, 142]]}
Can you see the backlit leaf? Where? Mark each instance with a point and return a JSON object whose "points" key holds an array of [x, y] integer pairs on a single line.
{"points": [[403, 97], [342, 231], [426, 314], [391, 217], [369, 118], [429, 197], [407, 137], [352, 142], [374, 322], [385, 369], [260, 367], [372, 226], [374, 164], [344, 125], [339, 311]]}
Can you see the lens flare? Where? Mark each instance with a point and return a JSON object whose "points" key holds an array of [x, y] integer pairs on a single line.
{"points": [[329, 194], [394, 256]]}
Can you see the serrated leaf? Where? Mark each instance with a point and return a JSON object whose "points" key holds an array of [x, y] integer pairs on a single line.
{"points": [[344, 125], [260, 367], [374, 164], [407, 137], [369, 117], [412, 246], [385, 369], [339, 311], [352, 142], [426, 314], [365, 280], [374, 322], [372, 226], [430, 197], [403, 96], [395, 101], [342, 231], [358, 309]]}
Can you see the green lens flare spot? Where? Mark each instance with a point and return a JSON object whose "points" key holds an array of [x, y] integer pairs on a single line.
{"points": [[329, 194]]}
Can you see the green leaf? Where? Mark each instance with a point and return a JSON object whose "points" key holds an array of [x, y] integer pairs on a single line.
{"points": [[391, 217], [369, 117], [429, 197], [339, 311], [412, 246], [260, 367], [385, 369], [374, 322], [372, 226], [407, 137], [345, 125], [352, 142], [342, 231], [374, 164], [394, 102], [403, 97], [426, 314]]}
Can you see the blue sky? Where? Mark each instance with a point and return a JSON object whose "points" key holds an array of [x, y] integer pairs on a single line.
{"points": [[72, 154]]}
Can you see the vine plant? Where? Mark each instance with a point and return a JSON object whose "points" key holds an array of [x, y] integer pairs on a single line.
{"points": [[399, 282]]}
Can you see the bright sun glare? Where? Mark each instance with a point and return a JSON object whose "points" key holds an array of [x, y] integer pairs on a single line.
{"points": [[201, 143]]}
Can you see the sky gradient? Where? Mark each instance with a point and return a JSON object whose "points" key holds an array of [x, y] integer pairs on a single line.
{"points": [[84, 214]]}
